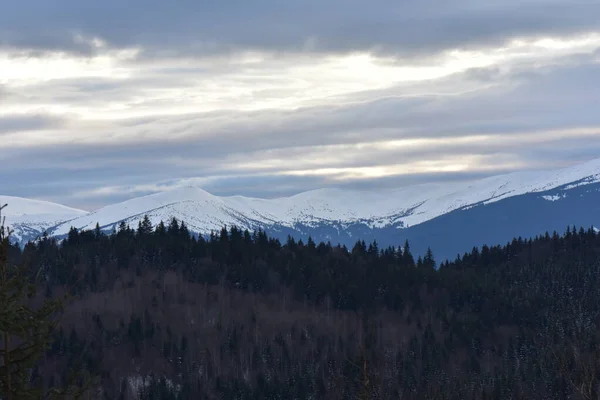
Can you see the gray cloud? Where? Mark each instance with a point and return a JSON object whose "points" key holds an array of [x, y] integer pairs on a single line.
{"points": [[150, 128], [404, 27], [553, 99], [29, 122]]}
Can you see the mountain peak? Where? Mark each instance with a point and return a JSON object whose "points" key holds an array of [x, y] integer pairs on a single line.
{"points": [[335, 209], [184, 193], [19, 207]]}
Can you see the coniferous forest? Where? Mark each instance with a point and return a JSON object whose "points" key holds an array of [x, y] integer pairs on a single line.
{"points": [[153, 312]]}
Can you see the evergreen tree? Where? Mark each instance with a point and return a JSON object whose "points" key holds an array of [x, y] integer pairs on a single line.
{"points": [[429, 260], [161, 230], [97, 230], [173, 227], [122, 227], [145, 226], [407, 256]]}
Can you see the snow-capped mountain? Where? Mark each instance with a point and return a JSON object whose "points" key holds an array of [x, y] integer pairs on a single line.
{"points": [[405, 207], [417, 212], [28, 219]]}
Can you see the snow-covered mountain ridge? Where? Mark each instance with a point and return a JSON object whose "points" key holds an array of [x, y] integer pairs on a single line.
{"points": [[404, 207], [28, 218], [354, 212]]}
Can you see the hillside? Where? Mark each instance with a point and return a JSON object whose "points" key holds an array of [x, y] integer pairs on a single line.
{"points": [[157, 314]]}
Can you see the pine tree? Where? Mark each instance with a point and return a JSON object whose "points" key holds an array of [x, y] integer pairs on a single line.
{"points": [[122, 227], [145, 226], [97, 231], [161, 230], [173, 227], [429, 260], [407, 257]]}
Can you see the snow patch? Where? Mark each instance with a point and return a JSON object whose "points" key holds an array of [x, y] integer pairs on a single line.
{"points": [[554, 197]]}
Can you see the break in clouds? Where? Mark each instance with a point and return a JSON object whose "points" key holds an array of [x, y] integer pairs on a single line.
{"points": [[104, 101]]}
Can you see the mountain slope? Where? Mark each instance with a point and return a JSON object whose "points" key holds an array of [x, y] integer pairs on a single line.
{"points": [[406, 206], [490, 210], [496, 223], [29, 219]]}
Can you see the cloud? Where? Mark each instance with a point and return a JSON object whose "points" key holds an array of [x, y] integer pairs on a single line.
{"points": [[21, 123], [270, 98], [191, 27]]}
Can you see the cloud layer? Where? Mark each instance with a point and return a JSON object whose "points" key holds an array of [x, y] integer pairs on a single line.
{"points": [[99, 103]]}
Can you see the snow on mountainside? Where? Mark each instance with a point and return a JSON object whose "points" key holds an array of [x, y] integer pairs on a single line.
{"points": [[200, 210], [444, 198], [28, 219], [408, 206]]}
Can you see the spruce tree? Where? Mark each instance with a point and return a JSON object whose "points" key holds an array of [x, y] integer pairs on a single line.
{"points": [[145, 226], [429, 260]]}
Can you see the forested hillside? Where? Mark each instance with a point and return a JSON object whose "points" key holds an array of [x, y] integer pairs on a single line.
{"points": [[158, 314]]}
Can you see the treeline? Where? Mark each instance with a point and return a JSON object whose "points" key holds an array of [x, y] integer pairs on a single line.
{"points": [[161, 314]]}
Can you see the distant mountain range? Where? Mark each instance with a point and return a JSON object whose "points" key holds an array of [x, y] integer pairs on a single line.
{"points": [[29, 219], [448, 217]]}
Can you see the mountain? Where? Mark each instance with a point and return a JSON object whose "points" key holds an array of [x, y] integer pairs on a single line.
{"points": [[29, 219], [449, 217]]}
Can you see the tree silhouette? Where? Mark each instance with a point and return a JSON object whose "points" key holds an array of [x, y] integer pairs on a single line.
{"points": [[26, 331]]}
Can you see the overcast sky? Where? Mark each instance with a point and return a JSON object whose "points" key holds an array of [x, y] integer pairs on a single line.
{"points": [[106, 100]]}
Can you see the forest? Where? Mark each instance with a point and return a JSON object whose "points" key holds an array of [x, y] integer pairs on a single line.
{"points": [[155, 312]]}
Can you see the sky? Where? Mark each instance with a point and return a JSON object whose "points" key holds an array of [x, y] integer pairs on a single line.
{"points": [[104, 101]]}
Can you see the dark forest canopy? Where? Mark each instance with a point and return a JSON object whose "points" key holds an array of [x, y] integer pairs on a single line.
{"points": [[243, 316]]}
